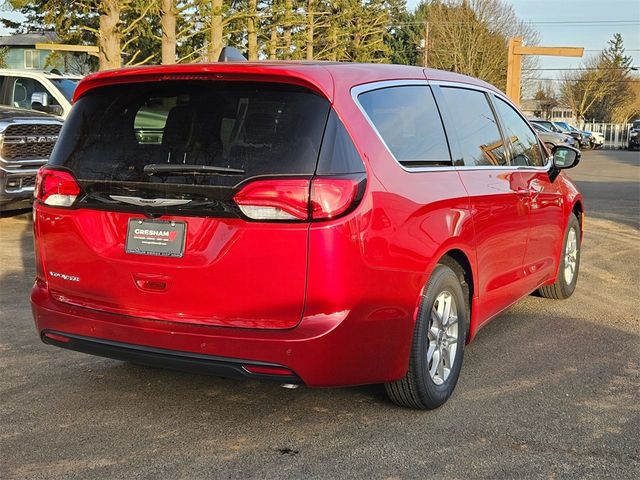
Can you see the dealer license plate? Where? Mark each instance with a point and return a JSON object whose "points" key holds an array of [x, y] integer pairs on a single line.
{"points": [[155, 237]]}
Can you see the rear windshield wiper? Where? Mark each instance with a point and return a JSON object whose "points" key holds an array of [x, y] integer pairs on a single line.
{"points": [[167, 169]]}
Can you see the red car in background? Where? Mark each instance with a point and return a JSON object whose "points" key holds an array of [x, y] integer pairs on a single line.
{"points": [[314, 223]]}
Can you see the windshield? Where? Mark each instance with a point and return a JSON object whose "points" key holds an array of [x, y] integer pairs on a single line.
{"points": [[66, 86], [541, 128], [548, 125], [636, 124]]}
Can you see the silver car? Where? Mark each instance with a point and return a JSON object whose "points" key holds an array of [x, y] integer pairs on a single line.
{"points": [[552, 139]]}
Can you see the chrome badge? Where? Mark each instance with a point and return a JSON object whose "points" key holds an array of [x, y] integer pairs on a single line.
{"points": [[64, 276]]}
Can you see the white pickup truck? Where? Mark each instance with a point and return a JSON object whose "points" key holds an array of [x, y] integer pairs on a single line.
{"points": [[49, 92], [27, 138]]}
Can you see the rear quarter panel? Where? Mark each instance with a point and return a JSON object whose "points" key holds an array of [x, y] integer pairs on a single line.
{"points": [[374, 264]]}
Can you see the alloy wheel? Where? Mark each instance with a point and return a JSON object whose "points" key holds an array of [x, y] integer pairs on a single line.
{"points": [[570, 256], [443, 337]]}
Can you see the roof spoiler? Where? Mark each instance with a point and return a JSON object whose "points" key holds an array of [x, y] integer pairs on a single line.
{"points": [[230, 54]]}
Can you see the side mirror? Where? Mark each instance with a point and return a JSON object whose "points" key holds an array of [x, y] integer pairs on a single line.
{"points": [[563, 157], [41, 98]]}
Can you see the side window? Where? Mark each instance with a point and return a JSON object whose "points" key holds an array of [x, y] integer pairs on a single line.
{"points": [[24, 88], [524, 143], [478, 134], [338, 154], [408, 120]]}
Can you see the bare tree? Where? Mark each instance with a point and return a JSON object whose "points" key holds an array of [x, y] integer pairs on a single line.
{"points": [[470, 37], [582, 89], [629, 110], [547, 99]]}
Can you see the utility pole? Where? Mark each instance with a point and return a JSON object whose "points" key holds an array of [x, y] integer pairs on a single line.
{"points": [[514, 62], [425, 47]]}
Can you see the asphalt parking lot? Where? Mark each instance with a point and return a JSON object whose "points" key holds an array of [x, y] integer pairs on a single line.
{"points": [[549, 389]]}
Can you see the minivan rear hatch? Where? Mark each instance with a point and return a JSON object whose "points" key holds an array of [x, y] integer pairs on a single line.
{"points": [[174, 221]]}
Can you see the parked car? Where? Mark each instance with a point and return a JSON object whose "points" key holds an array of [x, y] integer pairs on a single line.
{"points": [[26, 141], [548, 124], [597, 139], [318, 224], [634, 136], [590, 139], [48, 92], [553, 139], [583, 138]]}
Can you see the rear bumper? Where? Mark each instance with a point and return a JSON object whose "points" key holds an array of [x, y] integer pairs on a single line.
{"points": [[191, 362], [325, 350]]}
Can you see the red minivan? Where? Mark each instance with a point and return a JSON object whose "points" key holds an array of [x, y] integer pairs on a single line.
{"points": [[314, 223]]}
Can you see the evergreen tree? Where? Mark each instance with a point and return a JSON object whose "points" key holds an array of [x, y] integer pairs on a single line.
{"points": [[613, 69], [613, 55]]}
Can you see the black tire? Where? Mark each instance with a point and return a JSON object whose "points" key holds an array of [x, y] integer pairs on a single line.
{"points": [[418, 389], [562, 289]]}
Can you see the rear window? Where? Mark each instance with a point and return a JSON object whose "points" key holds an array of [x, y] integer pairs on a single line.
{"points": [[236, 130]]}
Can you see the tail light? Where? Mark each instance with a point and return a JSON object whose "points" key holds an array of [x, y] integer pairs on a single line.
{"points": [[331, 197], [275, 199], [322, 198], [56, 187]]}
